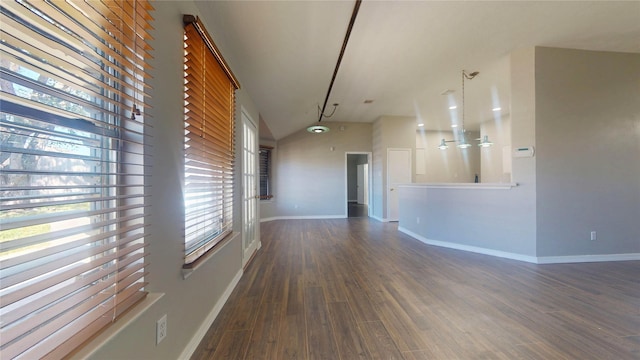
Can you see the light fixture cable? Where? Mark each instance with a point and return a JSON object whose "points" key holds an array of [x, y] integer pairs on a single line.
{"points": [[354, 14], [463, 143]]}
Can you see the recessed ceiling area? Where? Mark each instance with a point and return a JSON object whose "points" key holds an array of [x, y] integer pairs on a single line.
{"points": [[404, 55]]}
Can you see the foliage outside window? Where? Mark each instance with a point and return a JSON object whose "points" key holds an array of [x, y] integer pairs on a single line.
{"points": [[72, 161], [209, 143]]}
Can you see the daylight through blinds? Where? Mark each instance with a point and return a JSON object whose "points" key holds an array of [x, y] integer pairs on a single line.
{"points": [[208, 144], [72, 161]]}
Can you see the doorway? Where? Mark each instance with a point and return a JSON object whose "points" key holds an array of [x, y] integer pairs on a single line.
{"points": [[358, 184], [250, 235]]}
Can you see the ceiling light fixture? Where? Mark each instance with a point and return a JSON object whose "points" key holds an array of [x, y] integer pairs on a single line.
{"points": [[463, 143], [317, 129], [443, 144], [496, 109], [485, 142], [452, 107]]}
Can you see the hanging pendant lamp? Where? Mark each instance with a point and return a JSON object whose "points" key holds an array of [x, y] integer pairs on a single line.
{"points": [[317, 129], [485, 142], [463, 143]]}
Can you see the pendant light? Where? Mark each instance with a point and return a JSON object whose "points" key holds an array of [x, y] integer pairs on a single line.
{"points": [[463, 143], [485, 142], [317, 129]]}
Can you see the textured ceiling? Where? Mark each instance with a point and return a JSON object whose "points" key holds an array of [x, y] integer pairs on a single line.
{"points": [[402, 55]]}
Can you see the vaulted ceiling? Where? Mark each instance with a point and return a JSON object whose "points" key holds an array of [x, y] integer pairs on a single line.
{"points": [[401, 54]]}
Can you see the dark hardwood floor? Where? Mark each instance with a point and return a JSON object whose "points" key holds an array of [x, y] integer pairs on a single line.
{"points": [[359, 289]]}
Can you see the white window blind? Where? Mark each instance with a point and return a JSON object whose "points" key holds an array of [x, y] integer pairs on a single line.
{"points": [[209, 142], [72, 161]]}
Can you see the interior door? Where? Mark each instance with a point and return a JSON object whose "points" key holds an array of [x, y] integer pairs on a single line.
{"points": [[398, 172], [250, 236]]}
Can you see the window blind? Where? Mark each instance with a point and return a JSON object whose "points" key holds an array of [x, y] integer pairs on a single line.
{"points": [[209, 142], [72, 161], [265, 173]]}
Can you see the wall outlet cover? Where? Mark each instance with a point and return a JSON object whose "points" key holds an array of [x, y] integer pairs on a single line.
{"points": [[161, 329]]}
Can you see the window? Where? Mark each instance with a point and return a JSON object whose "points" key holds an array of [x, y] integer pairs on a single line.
{"points": [[72, 182], [208, 144], [265, 173]]}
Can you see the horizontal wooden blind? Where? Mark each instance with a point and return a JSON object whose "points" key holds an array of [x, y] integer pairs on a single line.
{"points": [[73, 160], [209, 143], [265, 173]]}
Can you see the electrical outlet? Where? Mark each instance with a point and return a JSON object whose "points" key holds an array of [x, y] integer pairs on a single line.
{"points": [[593, 235], [161, 329], [418, 220]]}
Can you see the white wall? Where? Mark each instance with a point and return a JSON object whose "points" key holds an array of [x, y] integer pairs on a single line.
{"points": [[186, 302], [310, 177], [378, 205], [588, 150]]}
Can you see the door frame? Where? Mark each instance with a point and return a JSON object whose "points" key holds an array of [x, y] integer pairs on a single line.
{"points": [[253, 248], [346, 180]]}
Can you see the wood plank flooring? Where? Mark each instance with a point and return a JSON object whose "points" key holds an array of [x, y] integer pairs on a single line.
{"points": [[358, 289]]}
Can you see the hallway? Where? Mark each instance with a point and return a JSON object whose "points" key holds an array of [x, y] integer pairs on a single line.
{"points": [[357, 210]]}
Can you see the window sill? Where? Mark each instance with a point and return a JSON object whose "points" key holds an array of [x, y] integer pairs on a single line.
{"points": [[186, 272]]}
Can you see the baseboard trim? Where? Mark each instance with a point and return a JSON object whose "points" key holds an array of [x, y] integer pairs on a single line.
{"points": [[379, 218], [206, 324], [526, 258], [306, 217], [469, 248], [587, 258]]}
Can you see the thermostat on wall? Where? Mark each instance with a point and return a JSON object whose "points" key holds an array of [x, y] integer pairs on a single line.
{"points": [[523, 151]]}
